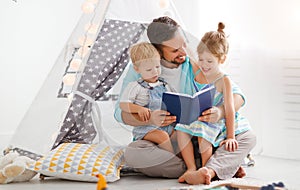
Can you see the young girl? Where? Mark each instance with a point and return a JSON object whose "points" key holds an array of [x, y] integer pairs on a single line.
{"points": [[145, 95], [212, 51]]}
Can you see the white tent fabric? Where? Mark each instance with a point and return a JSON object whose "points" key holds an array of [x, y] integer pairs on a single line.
{"points": [[42, 123]]}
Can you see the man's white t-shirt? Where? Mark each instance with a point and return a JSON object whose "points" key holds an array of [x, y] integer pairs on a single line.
{"points": [[172, 76]]}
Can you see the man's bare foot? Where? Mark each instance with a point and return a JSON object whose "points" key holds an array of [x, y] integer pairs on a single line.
{"points": [[200, 176], [240, 173]]}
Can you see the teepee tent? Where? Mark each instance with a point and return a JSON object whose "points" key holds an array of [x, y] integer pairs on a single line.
{"points": [[76, 102]]}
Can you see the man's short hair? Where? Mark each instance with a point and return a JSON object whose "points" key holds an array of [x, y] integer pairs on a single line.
{"points": [[161, 29]]}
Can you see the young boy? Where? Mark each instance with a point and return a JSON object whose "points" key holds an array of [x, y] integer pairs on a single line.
{"points": [[144, 95]]}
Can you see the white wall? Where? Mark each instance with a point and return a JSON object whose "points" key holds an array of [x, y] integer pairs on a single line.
{"points": [[32, 35]]}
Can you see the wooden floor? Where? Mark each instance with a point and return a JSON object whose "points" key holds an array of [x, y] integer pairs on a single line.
{"points": [[266, 170]]}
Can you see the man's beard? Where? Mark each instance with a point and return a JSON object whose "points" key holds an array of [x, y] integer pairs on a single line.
{"points": [[174, 61], [177, 62]]}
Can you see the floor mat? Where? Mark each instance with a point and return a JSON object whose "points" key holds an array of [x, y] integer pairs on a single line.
{"points": [[234, 183]]}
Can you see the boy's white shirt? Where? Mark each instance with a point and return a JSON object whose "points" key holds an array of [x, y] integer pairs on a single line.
{"points": [[135, 93]]}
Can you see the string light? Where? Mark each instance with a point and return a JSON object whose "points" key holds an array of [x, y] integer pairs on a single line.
{"points": [[164, 4], [91, 28], [85, 41], [69, 79], [75, 64], [83, 51], [88, 7]]}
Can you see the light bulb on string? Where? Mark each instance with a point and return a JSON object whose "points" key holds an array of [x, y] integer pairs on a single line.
{"points": [[69, 79], [164, 4], [88, 7], [82, 51], [85, 41], [91, 28], [75, 64]]}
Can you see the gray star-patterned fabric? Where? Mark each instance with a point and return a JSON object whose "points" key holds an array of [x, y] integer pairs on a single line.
{"points": [[107, 61], [23, 152]]}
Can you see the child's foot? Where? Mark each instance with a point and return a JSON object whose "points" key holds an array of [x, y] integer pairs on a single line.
{"points": [[188, 170], [240, 173], [200, 176]]}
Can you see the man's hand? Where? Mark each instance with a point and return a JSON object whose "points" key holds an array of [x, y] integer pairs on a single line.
{"points": [[212, 115], [161, 118]]}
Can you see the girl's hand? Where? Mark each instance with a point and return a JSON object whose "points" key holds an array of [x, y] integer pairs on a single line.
{"points": [[230, 144], [212, 115]]}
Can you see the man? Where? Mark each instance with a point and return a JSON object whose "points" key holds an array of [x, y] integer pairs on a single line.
{"points": [[177, 69]]}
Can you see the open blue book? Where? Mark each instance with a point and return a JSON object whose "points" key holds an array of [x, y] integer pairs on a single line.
{"points": [[188, 108]]}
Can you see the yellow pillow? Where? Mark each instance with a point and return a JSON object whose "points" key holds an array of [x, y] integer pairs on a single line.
{"points": [[81, 162]]}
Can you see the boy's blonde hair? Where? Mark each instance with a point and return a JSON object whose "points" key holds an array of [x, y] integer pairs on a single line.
{"points": [[215, 42], [143, 51]]}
